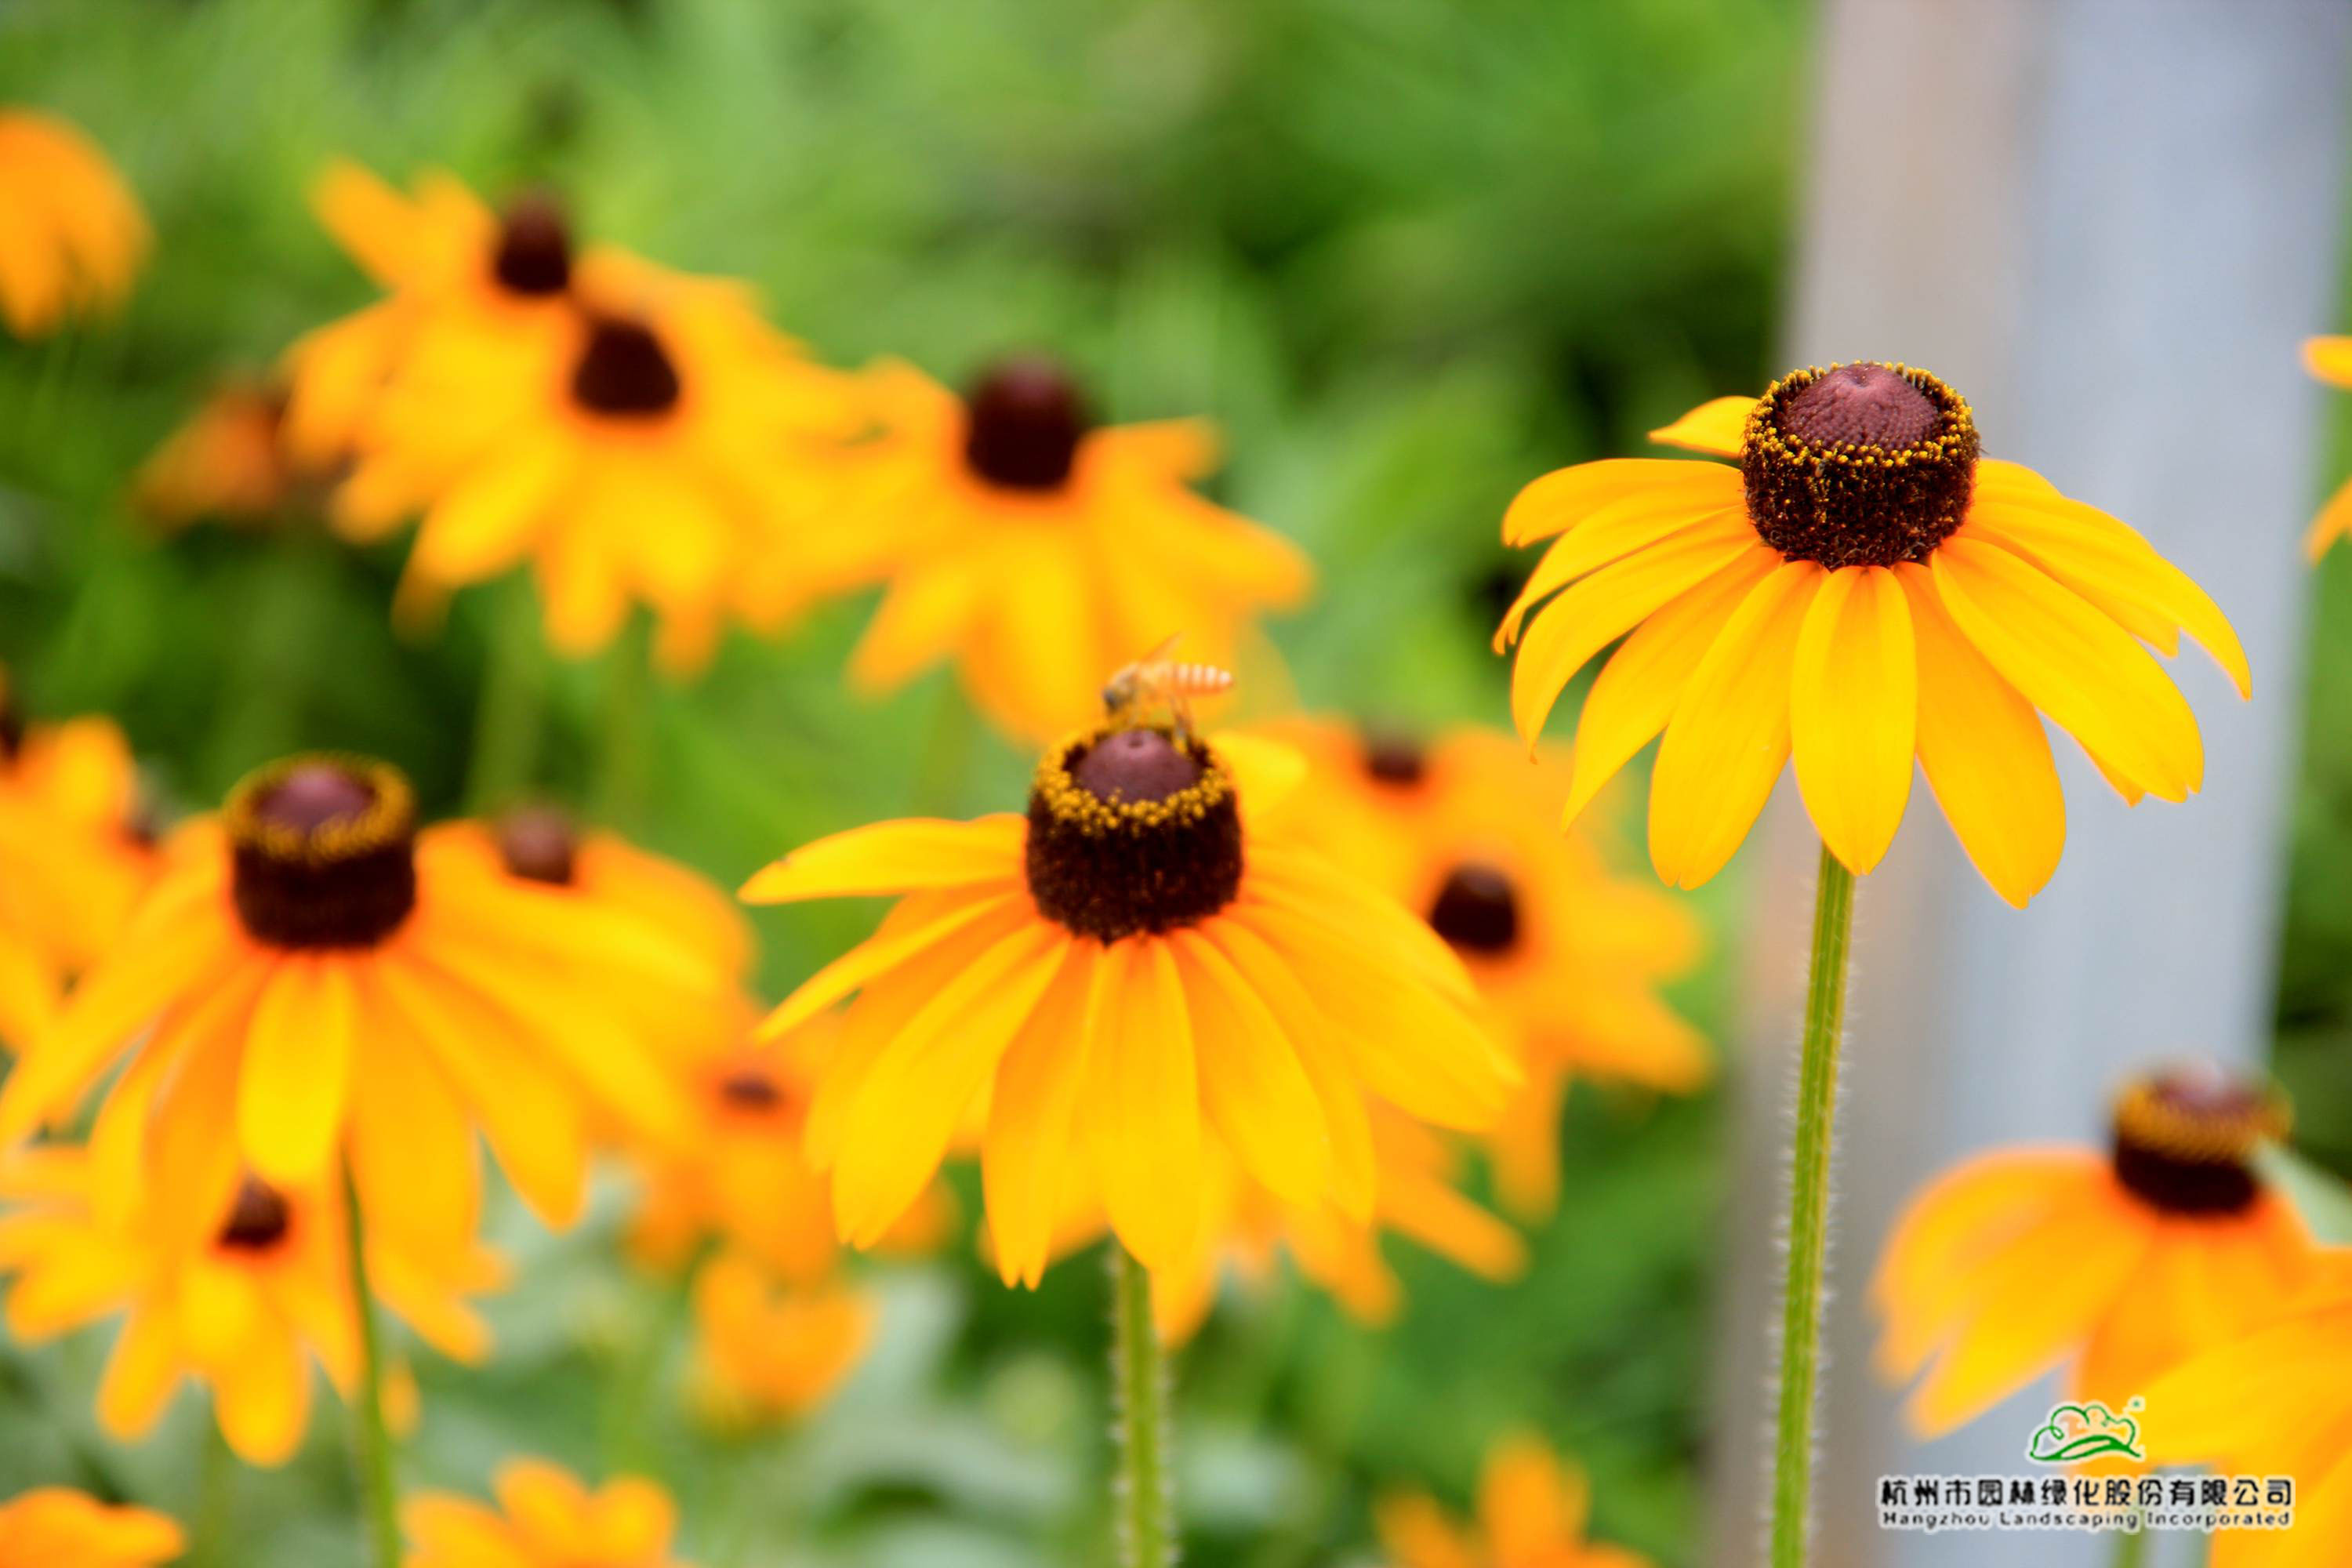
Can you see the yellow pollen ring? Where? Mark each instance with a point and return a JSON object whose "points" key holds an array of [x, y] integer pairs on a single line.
{"points": [[1955, 431], [1074, 804], [2194, 1122], [388, 819]]}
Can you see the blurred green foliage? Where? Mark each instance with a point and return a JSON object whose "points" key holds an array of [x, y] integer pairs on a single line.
{"points": [[1409, 255]]}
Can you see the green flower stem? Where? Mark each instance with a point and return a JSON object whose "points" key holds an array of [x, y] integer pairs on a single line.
{"points": [[1809, 1219], [373, 1440], [509, 714], [2131, 1547], [1143, 1499]]}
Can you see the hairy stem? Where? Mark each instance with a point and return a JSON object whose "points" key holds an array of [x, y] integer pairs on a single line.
{"points": [[1809, 1219], [1144, 1497]]}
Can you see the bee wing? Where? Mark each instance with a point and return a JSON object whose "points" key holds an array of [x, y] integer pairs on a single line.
{"points": [[1160, 654]]}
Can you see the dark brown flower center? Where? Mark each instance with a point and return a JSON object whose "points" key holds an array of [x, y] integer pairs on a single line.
{"points": [[1391, 758], [11, 723], [1024, 418], [749, 1089], [257, 1220], [537, 843], [534, 254], [624, 372], [1131, 831], [2185, 1140], [1859, 465], [1477, 909], [323, 851]]}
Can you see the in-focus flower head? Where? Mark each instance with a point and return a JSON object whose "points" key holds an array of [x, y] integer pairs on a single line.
{"points": [[313, 971], [543, 1519], [1532, 1514], [76, 236], [1138, 971], [231, 1281], [1026, 544], [2124, 1262], [52, 1526], [1567, 955], [1863, 589]]}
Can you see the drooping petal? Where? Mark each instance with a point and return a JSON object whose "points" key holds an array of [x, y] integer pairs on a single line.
{"points": [[1853, 708], [2075, 664], [1028, 1142], [1251, 1087], [1984, 752], [2334, 522], [1566, 497], [895, 857], [884, 952], [1143, 1104], [1718, 427], [1729, 736], [1617, 530], [296, 1078]]}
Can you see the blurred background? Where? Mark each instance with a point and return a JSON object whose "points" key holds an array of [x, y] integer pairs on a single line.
{"points": [[1408, 256]]}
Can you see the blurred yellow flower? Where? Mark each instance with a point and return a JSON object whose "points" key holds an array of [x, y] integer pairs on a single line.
{"points": [[229, 1280], [228, 461], [2330, 359], [313, 974], [2274, 1400], [1039, 551], [1861, 589], [1136, 975], [2127, 1262], [544, 1518], [1532, 1514], [636, 435], [53, 1527], [766, 1351], [72, 233], [74, 859], [1568, 957]]}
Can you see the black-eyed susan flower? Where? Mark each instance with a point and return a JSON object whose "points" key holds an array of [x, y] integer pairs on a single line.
{"points": [[768, 1350], [72, 233], [1037, 550], [55, 1527], [544, 1518], [2123, 1262], [2275, 1400], [1861, 588], [1245, 1229], [74, 858], [311, 974], [1139, 970], [227, 462], [2330, 359], [230, 1280], [1567, 955], [1532, 1514]]}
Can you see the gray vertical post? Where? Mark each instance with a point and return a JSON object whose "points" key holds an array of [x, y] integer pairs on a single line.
{"points": [[2109, 223]]}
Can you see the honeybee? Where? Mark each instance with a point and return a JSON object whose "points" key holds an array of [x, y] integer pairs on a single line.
{"points": [[1157, 678]]}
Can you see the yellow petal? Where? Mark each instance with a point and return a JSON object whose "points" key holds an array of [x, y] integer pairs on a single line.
{"points": [[2334, 522], [1718, 427], [1529, 1505], [1982, 747], [895, 857], [896, 944], [1025, 1150], [1596, 611], [1854, 706], [1143, 1104], [1566, 497], [1729, 735], [2075, 664], [2329, 359], [1251, 1087], [1618, 529], [295, 1078]]}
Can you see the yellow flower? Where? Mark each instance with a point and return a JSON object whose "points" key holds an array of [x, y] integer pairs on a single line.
{"points": [[2274, 1400], [1137, 973], [2126, 1263], [1243, 1225], [232, 1281], [1568, 957], [52, 1527], [2330, 359], [227, 461], [635, 435], [1532, 1512], [1861, 589], [1037, 551], [314, 974], [544, 1518], [72, 233], [766, 1352], [74, 859]]}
